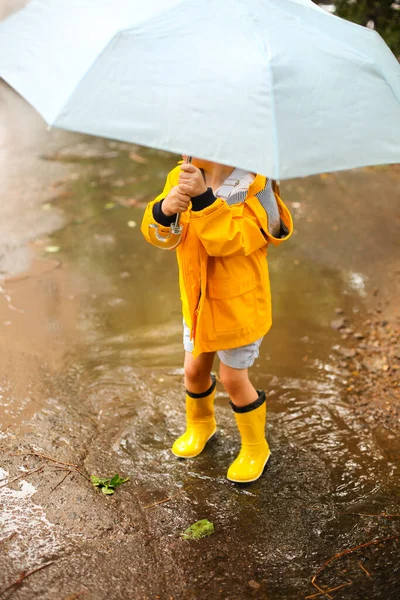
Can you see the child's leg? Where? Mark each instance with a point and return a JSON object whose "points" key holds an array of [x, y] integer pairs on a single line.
{"points": [[237, 385], [250, 413], [197, 371], [200, 420]]}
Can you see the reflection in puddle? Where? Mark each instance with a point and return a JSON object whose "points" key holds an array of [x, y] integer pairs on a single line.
{"points": [[357, 282]]}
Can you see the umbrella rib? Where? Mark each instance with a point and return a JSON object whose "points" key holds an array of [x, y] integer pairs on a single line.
{"points": [[274, 121], [266, 48], [117, 34], [332, 37], [156, 16]]}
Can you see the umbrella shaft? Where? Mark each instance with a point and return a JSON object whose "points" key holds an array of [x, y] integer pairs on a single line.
{"points": [[178, 216]]}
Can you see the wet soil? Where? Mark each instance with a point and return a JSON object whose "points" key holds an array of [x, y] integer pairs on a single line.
{"points": [[91, 375]]}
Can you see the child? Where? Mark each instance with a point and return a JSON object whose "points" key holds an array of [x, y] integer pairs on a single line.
{"points": [[229, 217]]}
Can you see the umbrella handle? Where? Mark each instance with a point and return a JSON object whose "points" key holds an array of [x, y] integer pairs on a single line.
{"points": [[173, 237]]}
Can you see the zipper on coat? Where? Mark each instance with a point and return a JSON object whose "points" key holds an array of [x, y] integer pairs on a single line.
{"points": [[196, 313]]}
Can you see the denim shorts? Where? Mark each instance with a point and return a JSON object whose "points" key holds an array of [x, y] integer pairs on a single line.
{"points": [[236, 358]]}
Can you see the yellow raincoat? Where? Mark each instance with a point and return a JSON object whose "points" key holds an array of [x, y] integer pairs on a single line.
{"points": [[223, 271]]}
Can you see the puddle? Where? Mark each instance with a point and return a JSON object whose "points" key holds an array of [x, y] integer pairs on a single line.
{"points": [[109, 317]]}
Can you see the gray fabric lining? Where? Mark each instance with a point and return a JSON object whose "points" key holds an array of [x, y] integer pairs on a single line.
{"points": [[276, 227], [236, 198], [268, 201]]}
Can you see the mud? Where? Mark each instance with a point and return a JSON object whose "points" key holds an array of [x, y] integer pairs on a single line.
{"points": [[90, 374]]}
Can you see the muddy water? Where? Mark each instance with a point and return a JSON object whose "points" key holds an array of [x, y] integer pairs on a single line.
{"points": [[94, 337]]}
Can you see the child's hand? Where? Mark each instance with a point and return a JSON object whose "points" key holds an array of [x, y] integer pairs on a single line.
{"points": [[175, 202], [191, 181]]}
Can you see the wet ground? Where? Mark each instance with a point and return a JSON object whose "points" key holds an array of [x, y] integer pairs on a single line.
{"points": [[90, 375]]}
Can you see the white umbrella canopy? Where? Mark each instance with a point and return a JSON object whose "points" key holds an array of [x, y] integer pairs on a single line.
{"points": [[278, 87]]}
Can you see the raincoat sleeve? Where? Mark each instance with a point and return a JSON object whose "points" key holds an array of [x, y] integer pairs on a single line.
{"points": [[148, 218], [238, 230]]}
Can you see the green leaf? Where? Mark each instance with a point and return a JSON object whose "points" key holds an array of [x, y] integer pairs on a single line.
{"points": [[115, 480], [95, 480], [99, 480], [198, 530], [108, 485]]}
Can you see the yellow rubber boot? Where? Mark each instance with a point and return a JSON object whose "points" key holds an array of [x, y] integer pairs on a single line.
{"points": [[254, 453], [200, 423]]}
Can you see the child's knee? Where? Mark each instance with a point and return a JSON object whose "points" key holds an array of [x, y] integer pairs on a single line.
{"points": [[195, 371], [233, 380]]}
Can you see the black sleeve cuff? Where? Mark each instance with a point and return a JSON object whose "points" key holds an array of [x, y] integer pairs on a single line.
{"points": [[160, 217], [204, 200]]}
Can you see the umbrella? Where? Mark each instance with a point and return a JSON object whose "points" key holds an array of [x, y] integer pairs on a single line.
{"points": [[278, 87]]}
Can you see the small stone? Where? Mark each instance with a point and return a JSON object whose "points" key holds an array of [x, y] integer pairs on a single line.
{"points": [[347, 352], [358, 335], [338, 323], [374, 364], [254, 585], [339, 311]]}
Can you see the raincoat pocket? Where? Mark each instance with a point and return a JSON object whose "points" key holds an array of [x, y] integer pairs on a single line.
{"points": [[233, 303]]}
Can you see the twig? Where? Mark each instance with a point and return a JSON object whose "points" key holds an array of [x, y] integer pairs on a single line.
{"points": [[363, 568], [165, 499], [60, 462], [344, 552], [83, 475], [321, 591], [60, 482], [381, 516], [21, 476], [24, 576], [7, 539], [75, 595], [56, 264], [331, 590]]}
